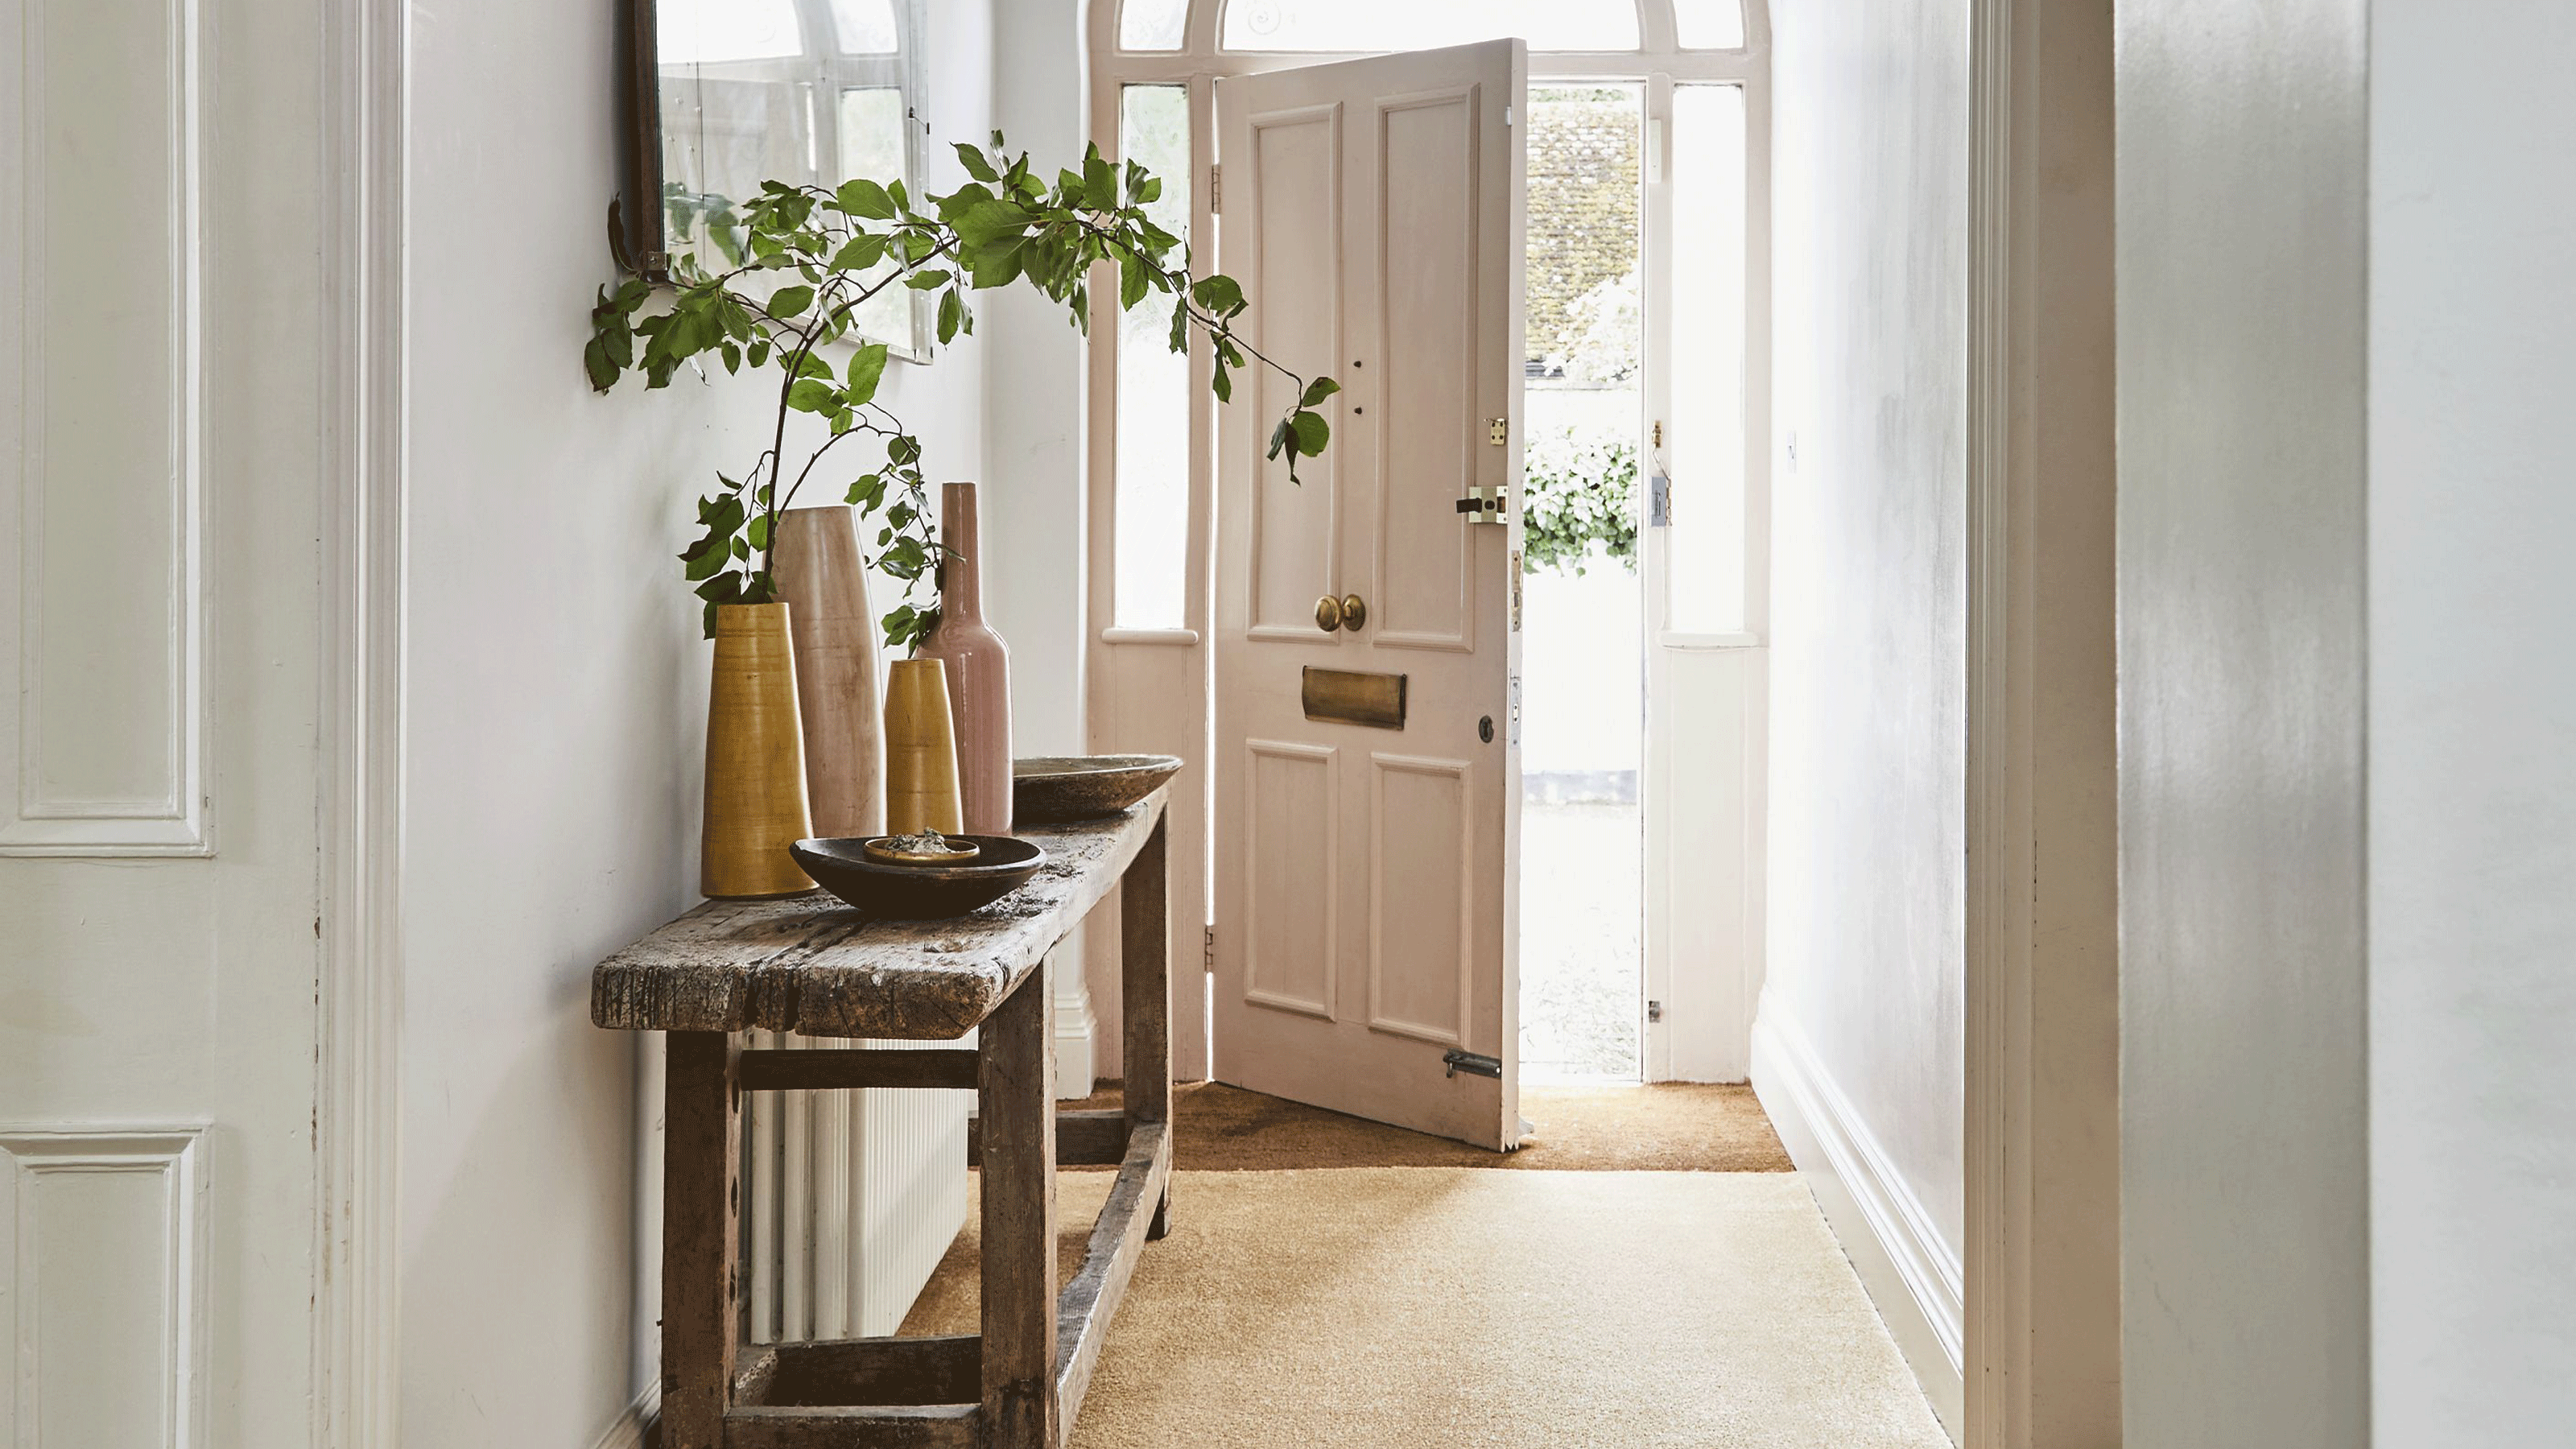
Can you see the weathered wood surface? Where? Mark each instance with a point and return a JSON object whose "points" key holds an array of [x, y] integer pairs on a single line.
{"points": [[1145, 997], [921, 1426], [701, 1165], [811, 965], [1090, 1301], [1089, 1137], [853, 1371], [769, 1070], [1019, 1301]]}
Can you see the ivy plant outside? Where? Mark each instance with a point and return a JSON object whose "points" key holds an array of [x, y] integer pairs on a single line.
{"points": [[834, 249], [1578, 490]]}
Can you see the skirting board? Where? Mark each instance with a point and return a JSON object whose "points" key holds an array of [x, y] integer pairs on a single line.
{"points": [[629, 1430], [1913, 1277]]}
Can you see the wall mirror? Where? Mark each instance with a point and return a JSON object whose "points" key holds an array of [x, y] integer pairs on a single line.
{"points": [[726, 94]]}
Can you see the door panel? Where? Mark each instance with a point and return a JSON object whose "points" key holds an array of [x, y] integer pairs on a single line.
{"points": [[1296, 171], [1364, 875]]}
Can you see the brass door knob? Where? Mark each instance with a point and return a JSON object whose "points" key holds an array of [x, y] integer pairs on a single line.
{"points": [[1354, 612], [1328, 613]]}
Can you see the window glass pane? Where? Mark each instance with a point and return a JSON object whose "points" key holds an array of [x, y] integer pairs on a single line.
{"points": [[1153, 24], [873, 145], [707, 32], [866, 27], [1416, 24], [1706, 430], [1710, 24], [1151, 587]]}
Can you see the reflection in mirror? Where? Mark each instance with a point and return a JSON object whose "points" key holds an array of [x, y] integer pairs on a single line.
{"points": [[800, 91], [1375, 25]]}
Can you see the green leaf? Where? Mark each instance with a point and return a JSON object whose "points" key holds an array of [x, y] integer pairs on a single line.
{"points": [[1099, 180], [810, 395], [862, 197], [1219, 294], [867, 369], [990, 221], [929, 279], [1312, 433], [975, 164], [859, 253], [952, 314], [1318, 390], [790, 301], [1223, 383], [758, 531], [1279, 437]]}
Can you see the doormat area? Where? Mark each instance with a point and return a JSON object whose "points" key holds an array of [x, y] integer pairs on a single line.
{"points": [[1414, 1307], [1670, 1127]]}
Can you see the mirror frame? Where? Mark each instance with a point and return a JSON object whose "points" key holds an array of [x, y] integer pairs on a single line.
{"points": [[638, 222]]}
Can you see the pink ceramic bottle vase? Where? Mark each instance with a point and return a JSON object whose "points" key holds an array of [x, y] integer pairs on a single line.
{"points": [[979, 668]]}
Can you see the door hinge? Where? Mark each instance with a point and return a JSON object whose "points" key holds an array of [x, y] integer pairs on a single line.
{"points": [[1507, 115], [1499, 432], [1208, 959], [1654, 1011], [1475, 1062], [1216, 187]]}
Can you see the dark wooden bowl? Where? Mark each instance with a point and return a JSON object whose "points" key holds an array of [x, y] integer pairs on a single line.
{"points": [[919, 892], [1084, 787]]}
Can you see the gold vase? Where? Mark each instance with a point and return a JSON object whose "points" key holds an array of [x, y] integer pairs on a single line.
{"points": [[755, 759], [921, 751]]}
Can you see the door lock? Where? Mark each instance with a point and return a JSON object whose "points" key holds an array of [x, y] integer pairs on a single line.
{"points": [[1350, 611]]}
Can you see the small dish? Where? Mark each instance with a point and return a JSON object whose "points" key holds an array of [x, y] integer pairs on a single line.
{"points": [[919, 892], [1084, 787], [906, 849]]}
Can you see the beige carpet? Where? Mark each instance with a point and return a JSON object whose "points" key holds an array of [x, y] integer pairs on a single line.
{"points": [[1664, 1128], [1421, 1308]]}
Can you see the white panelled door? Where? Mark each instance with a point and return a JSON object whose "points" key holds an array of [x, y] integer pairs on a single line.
{"points": [[1365, 874]]}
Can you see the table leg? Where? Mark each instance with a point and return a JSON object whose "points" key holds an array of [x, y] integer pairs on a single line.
{"points": [[1145, 995], [701, 1172], [1018, 1125]]}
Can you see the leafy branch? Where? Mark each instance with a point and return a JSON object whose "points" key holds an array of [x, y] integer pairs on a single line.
{"points": [[795, 265]]}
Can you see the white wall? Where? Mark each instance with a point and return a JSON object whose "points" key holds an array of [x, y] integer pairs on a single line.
{"points": [[556, 703], [2241, 241], [2472, 720], [1863, 1000]]}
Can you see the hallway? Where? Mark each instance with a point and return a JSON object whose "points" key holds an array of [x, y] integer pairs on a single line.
{"points": [[1333, 1304]]}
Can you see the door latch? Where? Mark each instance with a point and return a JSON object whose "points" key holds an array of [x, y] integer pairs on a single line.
{"points": [[1483, 504], [1473, 1062], [1659, 502]]}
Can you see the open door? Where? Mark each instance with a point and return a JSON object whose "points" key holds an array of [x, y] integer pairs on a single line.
{"points": [[1365, 871]]}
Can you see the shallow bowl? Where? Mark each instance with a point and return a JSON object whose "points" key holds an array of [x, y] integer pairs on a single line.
{"points": [[919, 892], [1084, 787]]}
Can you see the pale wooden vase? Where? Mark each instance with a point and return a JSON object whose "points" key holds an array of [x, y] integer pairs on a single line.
{"points": [[823, 580], [921, 751], [979, 667], [755, 805]]}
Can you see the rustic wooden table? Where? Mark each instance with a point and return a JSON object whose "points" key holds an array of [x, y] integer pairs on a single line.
{"points": [[809, 965]]}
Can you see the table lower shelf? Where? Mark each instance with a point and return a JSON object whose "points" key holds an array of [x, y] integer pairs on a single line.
{"points": [[920, 1393]]}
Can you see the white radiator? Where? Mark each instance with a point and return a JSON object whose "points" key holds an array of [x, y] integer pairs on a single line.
{"points": [[854, 1196]]}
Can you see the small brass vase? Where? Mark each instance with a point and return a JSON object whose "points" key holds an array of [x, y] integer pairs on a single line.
{"points": [[921, 751], [755, 760]]}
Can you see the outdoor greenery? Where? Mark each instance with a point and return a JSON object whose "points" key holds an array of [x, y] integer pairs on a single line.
{"points": [[1578, 490], [796, 262]]}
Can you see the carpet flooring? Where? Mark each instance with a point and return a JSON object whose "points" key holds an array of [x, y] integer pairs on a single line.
{"points": [[1413, 1307], [1665, 1128]]}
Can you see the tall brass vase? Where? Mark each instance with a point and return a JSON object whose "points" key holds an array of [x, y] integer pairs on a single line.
{"points": [[755, 759], [921, 751]]}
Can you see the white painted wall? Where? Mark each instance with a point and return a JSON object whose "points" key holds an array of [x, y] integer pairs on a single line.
{"points": [[1863, 998], [2472, 719], [556, 712], [2241, 240]]}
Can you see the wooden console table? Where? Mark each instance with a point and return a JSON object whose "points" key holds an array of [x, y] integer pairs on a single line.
{"points": [[809, 965]]}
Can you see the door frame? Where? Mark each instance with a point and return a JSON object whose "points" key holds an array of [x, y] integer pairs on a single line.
{"points": [[1150, 688], [357, 1085]]}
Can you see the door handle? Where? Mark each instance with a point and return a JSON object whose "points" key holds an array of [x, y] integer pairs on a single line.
{"points": [[1347, 612], [1354, 612]]}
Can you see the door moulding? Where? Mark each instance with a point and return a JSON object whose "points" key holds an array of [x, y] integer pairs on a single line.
{"points": [[357, 1094]]}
